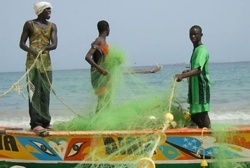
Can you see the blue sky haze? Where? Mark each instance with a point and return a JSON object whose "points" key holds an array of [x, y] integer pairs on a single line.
{"points": [[149, 31]]}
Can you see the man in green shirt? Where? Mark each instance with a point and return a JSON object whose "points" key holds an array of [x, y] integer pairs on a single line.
{"points": [[199, 83]]}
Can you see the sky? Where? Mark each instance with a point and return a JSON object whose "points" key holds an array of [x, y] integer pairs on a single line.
{"points": [[148, 31]]}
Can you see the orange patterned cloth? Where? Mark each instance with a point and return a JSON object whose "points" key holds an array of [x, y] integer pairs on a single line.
{"points": [[105, 49], [101, 90]]}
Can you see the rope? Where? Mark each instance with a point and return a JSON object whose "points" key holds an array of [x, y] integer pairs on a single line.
{"points": [[171, 95], [15, 86], [201, 146], [53, 91], [203, 162], [148, 162], [166, 124]]}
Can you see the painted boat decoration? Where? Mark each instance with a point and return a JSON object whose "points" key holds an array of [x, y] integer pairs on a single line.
{"points": [[175, 148]]}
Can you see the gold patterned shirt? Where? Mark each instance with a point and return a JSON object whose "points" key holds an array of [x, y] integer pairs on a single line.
{"points": [[39, 39]]}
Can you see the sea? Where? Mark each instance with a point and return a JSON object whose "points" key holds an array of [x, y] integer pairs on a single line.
{"points": [[73, 94]]}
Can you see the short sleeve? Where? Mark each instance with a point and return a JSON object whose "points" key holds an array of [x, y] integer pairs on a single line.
{"points": [[200, 57]]}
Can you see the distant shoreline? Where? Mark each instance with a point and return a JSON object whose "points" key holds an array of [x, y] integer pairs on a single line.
{"points": [[168, 64]]}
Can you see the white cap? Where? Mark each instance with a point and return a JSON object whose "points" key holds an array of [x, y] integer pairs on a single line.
{"points": [[40, 6]]}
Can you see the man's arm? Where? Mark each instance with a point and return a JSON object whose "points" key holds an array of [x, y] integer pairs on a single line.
{"points": [[27, 29], [53, 44], [88, 57], [187, 74]]}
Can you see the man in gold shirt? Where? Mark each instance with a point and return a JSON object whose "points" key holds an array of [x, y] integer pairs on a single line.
{"points": [[42, 36]]}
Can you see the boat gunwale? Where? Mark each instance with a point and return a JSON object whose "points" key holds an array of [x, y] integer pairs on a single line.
{"points": [[173, 132]]}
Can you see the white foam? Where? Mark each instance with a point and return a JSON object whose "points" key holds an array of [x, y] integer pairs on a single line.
{"points": [[233, 117]]}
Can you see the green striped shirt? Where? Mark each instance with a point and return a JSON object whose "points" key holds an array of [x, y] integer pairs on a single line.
{"points": [[199, 85]]}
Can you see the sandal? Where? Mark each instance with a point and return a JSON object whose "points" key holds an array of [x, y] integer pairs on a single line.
{"points": [[38, 129]]}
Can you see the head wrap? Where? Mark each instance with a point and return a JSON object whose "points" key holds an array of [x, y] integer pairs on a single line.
{"points": [[40, 6]]}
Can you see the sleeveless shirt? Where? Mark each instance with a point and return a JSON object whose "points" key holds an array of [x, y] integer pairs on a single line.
{"points": [[38, 39]]}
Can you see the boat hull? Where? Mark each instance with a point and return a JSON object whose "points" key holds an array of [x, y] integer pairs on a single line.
{"points": [[70, 165], [174, 148]]}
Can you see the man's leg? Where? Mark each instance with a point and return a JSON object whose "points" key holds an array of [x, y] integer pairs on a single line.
{"points": [[34, 98], [45, 98], [201, 119], [205, 119]]}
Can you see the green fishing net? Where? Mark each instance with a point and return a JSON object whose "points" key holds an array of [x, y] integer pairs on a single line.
{"points": [[127, 104], [225, 138]]}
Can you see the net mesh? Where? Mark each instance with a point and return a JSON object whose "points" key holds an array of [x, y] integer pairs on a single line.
{"points": [[225, 138], [127, 104]]}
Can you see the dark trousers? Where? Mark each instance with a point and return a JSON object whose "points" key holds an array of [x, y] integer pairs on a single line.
{"points": [[39, 97], [201, 119]]}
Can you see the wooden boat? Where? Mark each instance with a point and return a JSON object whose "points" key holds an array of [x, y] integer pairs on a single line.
{"points": [[144, 70], [149, 70], [175, 148]]}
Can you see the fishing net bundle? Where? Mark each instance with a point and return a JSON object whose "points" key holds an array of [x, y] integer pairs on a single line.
{"points": [[127, 104]]}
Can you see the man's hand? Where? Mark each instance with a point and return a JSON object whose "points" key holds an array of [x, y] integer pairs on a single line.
{"points": [[178, 77], [103, 71], [34, 52]]}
